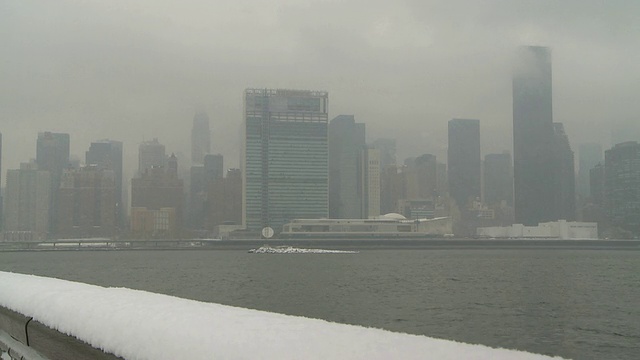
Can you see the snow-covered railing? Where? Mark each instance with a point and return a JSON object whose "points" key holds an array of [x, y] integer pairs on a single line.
{"points": [[135, 324]]}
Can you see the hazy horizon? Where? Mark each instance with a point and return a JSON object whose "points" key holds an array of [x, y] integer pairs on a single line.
{"points": [[136, 71]]}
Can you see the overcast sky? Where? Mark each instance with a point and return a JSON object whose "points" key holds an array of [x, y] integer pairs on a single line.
{"points": [[134, 70]]}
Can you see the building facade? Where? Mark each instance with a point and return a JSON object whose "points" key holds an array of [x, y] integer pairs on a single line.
{"points": [[87, 199], [533, 136], [464, 161], [498, 179], [224, 202], [388, 227], [559, 230], [213, 166], [422, 177], [622, 186], [107, 155], [151, 154], [157, 198], [285, 157], [564, 175], [346, 143], [387, 147], [27, 203], [52, 155], [370, 188], [589, 155]]}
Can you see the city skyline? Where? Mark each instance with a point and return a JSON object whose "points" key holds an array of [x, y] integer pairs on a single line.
{"points": [[401, 69], [289, 142]]}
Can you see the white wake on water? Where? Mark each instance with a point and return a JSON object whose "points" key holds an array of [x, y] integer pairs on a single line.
{"points": [[266, 249]]}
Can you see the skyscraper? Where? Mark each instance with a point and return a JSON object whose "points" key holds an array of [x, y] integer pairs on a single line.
{"points": [[200, 138], [27, 203], [107, 155], [224, 201], [622, 186], [424, 169], [533, 137], [370, 188], [151, 154], [52, 155], [346, 143], [285, 157], [213, 167], [596, 184], [200, 180], [498, 179], [157, 201], [564, 175], [389, 189], [86, 203], [464, 162], [589, 154], [387, 149]]}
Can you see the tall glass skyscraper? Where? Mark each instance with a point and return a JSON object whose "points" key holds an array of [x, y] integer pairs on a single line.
{"points": [[622, 186], [346, 145], [565, 177], [463, 157], [285, 157], [52, 155], [107, 155], [533, 137]]}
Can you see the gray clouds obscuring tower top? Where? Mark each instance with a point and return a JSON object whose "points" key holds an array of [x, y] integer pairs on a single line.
{"points": [[533, 136]]}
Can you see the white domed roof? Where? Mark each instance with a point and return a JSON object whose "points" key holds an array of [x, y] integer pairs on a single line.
{"points": [[394, 216]]}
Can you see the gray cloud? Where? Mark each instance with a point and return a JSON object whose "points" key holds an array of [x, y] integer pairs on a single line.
{"points": [[133, 71]]}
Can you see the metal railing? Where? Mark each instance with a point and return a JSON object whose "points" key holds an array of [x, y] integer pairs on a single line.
{"points": [[23, 338]]}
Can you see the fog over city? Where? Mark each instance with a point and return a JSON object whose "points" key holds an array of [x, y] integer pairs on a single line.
{"points": [[133, 71]]}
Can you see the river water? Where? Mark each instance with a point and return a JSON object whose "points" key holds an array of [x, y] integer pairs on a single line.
{"points": [[582, 304]]}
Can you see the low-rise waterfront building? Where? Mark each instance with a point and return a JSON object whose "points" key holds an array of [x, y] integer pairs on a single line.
{"points": [[561, 230], [389, 226]]}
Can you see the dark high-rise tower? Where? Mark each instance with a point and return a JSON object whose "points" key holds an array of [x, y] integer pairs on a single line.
{"points": [[200, 138], [52, 155], [107, 155], [151, 154], [463, 156], [533, 136], [346, 142], [498, 179], [590, 155], [622, 186], [564, 175]]}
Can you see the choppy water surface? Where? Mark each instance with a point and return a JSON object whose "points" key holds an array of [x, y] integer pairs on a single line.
{"points": [[581, 304]]}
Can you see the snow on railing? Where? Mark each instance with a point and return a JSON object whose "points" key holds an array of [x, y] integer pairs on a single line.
{"points": [[135, 324]]}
